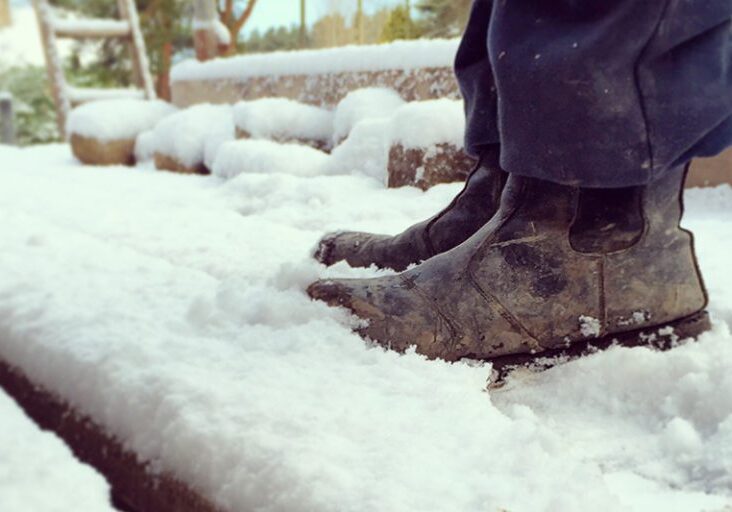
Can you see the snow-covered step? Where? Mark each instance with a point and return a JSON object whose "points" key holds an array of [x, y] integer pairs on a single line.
{"points": [[79, 95], [91, 28], [170, 310]]}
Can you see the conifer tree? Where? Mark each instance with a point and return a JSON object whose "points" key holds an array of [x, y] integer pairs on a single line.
{"points": [[399, 25], [443, 18]]}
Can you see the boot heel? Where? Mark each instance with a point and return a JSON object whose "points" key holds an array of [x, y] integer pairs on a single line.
{"points": [[662, 337]]}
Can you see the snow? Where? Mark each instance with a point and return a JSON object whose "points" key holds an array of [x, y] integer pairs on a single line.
{"points": [[421, 124], [362, 104], [590, 327], [117, 119], [89, 94], [192, 136], [263, 156], [374, 120], [145, 146], [73, 25], [406, 55], [222, 33], [20, 43], [281, 118], [38, 472], [172, 310], [365, 151]]}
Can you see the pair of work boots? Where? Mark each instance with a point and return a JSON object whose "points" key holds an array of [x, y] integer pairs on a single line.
{"points": [[516, 268]]}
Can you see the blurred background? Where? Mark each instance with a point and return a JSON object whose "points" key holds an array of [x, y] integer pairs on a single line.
{"points": [[255, 26]]}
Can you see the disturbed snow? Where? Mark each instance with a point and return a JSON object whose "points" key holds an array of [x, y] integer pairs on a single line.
{"points": [[38, 472], [171, 309]]}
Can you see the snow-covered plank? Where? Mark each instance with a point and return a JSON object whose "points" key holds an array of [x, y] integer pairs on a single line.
{"points": [[171, 311], [79, 95], [91, 28]]}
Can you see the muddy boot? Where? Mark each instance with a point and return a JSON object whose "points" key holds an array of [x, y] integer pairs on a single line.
{"points": [[556, 268], [467, 213]]}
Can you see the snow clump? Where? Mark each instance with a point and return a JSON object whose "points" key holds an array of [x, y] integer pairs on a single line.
{"points": [[185, 135], [283, 119], [264, 156], [362, 104], [421, 124]]}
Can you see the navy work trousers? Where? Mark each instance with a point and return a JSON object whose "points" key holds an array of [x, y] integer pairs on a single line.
{"points": [[597, 93]]}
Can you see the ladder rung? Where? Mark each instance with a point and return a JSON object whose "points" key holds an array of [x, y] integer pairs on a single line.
{"points": [[91, 28], [79, 95]]}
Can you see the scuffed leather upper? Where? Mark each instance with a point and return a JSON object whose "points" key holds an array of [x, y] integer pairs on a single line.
{"points": [[518, 285]]}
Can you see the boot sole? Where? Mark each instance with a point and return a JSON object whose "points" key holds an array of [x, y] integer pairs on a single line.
{"points": [[660, 337]]}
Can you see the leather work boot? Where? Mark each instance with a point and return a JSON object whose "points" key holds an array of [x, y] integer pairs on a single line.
{"points": [[557, 270], [467, 213]]}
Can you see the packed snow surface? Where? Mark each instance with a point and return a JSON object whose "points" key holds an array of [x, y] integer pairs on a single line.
{"points": [[408, 55], [281, 118], [172, 310], [117, 119], [38, 472]]}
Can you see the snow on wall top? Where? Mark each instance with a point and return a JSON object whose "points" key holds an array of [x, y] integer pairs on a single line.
{"points": [[397, 55], [38, 472]]}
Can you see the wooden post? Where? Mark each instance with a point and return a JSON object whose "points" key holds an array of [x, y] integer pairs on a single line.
{"points": [[56, 78], [360, 21], [5, 19], [303, 24], [7, 132], [138, 51], [205, 40]]}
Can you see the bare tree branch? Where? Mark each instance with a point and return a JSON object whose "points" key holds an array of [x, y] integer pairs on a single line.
{"points": [[244, 16]]}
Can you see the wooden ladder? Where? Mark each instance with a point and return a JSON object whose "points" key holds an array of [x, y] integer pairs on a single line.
{"points": [[127, 27]]}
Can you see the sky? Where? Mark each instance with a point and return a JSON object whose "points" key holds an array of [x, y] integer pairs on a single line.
{"points": [[269, 13]]}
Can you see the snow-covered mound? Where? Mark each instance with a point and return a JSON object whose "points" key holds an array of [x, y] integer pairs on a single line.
{"points": [[192, 136], [171, 309], [145, 146], [421, 124], [38, 472], [363, 104], [117, 119], [372, 119], [397, 55], [264, 156], [283, 119], [365, 151]]}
